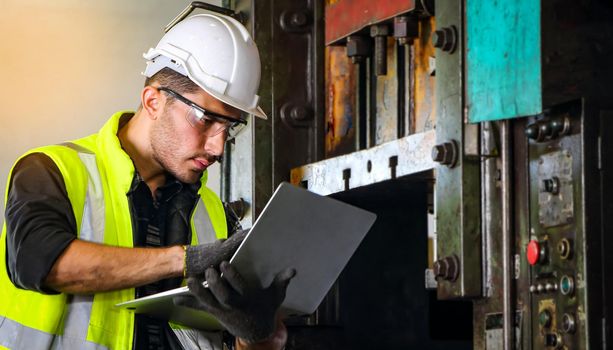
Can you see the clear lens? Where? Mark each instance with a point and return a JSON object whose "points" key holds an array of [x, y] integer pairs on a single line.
{"points": [[211, 126], [203, 123], [196, 119]]}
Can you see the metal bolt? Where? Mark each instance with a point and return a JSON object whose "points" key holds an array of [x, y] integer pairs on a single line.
{"points": [[405, 29], [299, 19], [300, 113], [446, 39], [380, 32], [446, 153], [296, 115], [438, 38], [438, 153], [447, 268], [297, 22], [358, 48]]}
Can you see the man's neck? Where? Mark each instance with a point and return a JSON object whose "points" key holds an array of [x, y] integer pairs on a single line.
{"points": [[133, 137]]}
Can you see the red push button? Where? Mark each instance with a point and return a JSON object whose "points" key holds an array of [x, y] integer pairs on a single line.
{"points": [[533, 252]]}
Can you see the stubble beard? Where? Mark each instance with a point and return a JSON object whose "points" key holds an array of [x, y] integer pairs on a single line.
{"points": [[165, 143]]}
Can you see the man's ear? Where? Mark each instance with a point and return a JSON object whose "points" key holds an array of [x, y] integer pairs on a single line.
{"points": [[152, 101]]}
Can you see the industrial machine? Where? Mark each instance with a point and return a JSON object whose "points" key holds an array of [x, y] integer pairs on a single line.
{"points": [[481, 134]]}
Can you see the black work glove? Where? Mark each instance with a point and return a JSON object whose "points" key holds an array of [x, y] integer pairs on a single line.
{"points": [[248, 312], [200, 257]]}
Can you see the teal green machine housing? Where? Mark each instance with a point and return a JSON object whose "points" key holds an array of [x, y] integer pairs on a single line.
{"points": [[503, 59]]}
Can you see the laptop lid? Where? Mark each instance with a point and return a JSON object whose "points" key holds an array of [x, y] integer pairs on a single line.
{"points": [[314, 234]]}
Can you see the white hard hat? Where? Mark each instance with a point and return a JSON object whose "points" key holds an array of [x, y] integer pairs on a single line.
{"points": [[217, 53]]}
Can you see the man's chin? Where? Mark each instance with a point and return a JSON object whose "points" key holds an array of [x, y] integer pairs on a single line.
{"points": [[192, 177]]}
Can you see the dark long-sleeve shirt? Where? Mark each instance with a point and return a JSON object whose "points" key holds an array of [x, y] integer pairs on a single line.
{"points": [[40, 225]]}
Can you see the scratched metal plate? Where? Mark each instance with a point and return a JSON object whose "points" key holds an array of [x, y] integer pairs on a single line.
{"points": [[556, 209]]}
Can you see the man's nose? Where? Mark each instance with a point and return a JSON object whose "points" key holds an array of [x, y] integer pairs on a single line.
{"points": [[214, 145]]}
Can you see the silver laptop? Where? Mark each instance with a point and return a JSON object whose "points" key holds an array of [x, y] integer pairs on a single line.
{"points": [[314, 234]]}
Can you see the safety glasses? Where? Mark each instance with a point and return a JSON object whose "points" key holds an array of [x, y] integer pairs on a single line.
{"points": [[208, 123]]}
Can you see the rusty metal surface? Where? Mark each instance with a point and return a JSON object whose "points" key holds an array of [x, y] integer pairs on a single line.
{"points": [[340, 82], [345, 17], [387, 113], [457, 189], [485, 335], [402, 157], [423, 117]]}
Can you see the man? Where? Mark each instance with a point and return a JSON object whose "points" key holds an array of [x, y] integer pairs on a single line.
{"points": [[125, 212]]}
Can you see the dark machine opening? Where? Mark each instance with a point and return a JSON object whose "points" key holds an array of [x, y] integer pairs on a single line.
{"points": [[380, 300]]}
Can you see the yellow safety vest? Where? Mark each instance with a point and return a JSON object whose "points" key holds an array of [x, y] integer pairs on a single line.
{"points": [[97, 174]]}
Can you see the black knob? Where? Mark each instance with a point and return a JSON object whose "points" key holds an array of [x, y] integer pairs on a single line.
{"points": [[545, 129], [533, 132], [553, 340], [552, 185], [556, 126]]}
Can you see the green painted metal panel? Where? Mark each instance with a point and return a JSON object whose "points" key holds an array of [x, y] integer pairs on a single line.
{"points": [[503, 59]]}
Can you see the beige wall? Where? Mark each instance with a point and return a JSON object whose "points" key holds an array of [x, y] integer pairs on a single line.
{"points": [[67, 65]]}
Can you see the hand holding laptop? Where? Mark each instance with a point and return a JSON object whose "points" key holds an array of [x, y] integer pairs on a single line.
{"points": [[297, 229], [245, 310], [200, 257]]}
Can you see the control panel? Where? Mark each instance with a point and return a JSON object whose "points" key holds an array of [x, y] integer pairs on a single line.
{"points": [[554, 251]]}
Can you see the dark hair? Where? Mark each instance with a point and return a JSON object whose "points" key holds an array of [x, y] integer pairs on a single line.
{"points": [[173, 80]]}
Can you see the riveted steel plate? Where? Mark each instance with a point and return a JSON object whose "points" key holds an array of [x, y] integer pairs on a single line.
{"points": [[402, 157]]}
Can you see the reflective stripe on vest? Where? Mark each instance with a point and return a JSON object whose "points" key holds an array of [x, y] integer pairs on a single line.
{"points": [[25, 315], [16, 336], [78, 309], [203, 224], [193, 339]]}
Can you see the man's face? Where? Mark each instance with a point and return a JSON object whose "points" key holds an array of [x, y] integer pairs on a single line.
{"points": [[179, 148]]}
